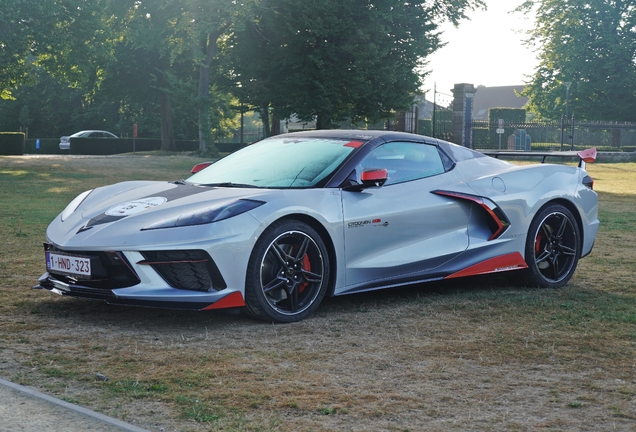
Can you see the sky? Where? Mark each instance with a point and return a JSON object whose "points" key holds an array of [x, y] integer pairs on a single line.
{"points": [[487, 50]]}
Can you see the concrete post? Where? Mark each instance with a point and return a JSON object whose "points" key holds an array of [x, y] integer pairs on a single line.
{"points": [[463, 114]]}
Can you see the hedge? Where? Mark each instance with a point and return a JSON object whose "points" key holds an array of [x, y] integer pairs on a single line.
{"points": [[508, 115], [481, 138], [11, 143], [425, 127], [110, 146], [46, 146]]}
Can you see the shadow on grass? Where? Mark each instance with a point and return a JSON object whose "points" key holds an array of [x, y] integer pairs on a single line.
{"points": [[569, 305]]}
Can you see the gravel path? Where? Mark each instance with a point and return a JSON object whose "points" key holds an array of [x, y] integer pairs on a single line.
{"points": [[26, 410]]}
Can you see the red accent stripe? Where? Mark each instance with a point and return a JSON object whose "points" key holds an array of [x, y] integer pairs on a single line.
{"points": [[511, 261], [172, 262], [232, 300]]}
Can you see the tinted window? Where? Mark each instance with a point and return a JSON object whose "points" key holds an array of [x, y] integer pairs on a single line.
{"points": [[404, 161], [278, 163], [460, 153]]}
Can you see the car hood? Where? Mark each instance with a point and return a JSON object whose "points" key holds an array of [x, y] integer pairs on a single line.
{"points": [[117, 214]]}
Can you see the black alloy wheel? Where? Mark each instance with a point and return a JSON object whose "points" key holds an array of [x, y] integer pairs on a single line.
{"points": [[288, 273], [553, 247]]}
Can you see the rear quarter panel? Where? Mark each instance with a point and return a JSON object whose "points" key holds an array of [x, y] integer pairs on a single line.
{"points": [[522, 191]]}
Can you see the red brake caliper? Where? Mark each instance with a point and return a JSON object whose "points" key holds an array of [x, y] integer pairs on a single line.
{"points": [[306, 267], [537, 243]]}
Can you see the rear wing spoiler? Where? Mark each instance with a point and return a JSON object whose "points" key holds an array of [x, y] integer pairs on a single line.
{"points": [[585, 156]]}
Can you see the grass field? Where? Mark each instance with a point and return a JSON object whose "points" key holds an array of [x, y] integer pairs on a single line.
{"points": [[475, 354]]}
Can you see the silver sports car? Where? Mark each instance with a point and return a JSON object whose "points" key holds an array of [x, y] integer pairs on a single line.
{"points": [[279, 225]]}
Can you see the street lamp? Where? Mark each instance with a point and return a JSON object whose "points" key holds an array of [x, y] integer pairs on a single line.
{"points": [[567, 96]]}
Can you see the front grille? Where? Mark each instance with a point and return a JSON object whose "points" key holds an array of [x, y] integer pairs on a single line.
{"points": [[109, 270], [186, 269]]}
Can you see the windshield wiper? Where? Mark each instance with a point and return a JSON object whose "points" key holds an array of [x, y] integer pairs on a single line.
{"points": [[180, 182], [230, 185]]}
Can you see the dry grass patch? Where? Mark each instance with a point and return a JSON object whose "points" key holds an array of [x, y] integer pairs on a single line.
{"points": [[476, 354]]}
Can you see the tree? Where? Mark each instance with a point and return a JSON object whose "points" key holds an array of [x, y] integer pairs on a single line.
{"points": [[591, 44], [24, 117], [206, 24], [328, 61], [63, 36], [181, 37], [145, 54], [51, 56], [120, 60]]}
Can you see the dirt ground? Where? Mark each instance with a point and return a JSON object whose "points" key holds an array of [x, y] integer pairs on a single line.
{"points": [[418, 359], [472, 355]]}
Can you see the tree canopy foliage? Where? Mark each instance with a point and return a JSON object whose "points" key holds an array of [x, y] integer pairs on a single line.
{"points": [[182, 67], [590, 44], [62, 36], [332, 61]]}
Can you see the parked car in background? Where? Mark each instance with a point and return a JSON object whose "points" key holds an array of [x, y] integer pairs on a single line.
{"points": [[65, 141]]}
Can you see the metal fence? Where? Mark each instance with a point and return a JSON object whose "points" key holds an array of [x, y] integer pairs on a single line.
{"points": [[491, 135], [563, 135]]}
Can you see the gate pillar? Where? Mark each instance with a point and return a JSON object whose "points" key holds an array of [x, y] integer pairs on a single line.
{"points": [[462, 132]]}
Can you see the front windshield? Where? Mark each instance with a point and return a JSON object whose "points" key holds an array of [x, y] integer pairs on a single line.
{"points": [[278, 163]]}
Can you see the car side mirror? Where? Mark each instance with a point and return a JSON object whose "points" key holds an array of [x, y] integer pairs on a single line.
{"points": [[370, 178]]}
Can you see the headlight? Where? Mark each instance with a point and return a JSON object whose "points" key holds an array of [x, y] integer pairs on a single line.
{"points": [[74, 205], [208, 215]]}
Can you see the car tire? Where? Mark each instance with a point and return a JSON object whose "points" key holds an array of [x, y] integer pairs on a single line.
{"points": [[288, 273], [553, 248]]}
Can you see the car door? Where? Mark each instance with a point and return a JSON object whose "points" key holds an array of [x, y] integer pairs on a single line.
{"points": [[401, 232]]}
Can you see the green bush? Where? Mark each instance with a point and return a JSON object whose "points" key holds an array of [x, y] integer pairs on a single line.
{"points": [[481, 138], [11, 143], [425, 127], [509, 115]]}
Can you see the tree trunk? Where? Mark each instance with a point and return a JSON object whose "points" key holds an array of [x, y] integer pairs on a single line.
{"points": [[275, 127], [265, 119], [167, 131], [203, 95], [323, 122]]}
